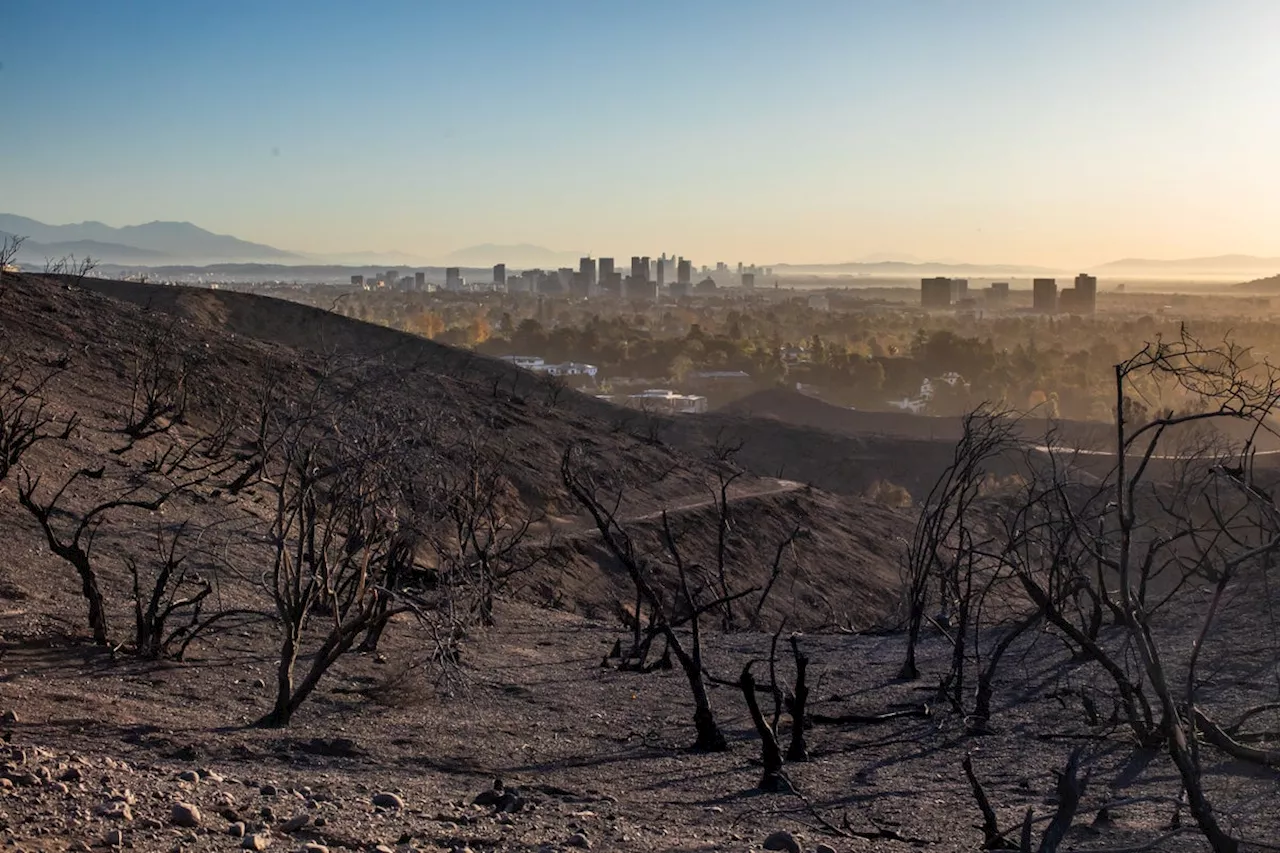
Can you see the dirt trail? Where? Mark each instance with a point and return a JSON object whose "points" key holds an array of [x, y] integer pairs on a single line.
{"points": [[581, 524]]}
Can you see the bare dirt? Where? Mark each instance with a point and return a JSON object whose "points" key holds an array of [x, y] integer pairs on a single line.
{"points": [[386, 756]]}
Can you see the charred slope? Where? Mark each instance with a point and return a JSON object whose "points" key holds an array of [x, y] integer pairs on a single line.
{"points": [[246, 343]]}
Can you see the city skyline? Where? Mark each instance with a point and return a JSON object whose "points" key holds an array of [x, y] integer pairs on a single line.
{"points": [[1057, 135]]}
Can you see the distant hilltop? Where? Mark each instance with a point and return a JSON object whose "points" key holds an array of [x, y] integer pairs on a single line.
{"points": [[151, 243], [1270, 284]]}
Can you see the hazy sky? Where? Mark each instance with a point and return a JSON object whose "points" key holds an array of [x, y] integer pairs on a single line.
{"points": [[1036, 131]]}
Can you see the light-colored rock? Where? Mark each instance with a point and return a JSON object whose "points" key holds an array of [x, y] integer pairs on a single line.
{"points": [[258, 841], [115, 810], [189, 776], [184, 814]]}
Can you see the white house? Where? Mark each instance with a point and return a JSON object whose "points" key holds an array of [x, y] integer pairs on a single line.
{"points": [[665, 400]]}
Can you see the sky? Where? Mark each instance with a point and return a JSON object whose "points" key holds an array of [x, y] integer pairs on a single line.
{"points": [[988, 131]]}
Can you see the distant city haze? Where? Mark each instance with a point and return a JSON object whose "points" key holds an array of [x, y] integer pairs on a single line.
{"points": [[1062, 135]]}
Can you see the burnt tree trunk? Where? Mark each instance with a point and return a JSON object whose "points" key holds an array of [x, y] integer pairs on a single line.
{"points": [[709, 737], [798, 750], [771, 756]]}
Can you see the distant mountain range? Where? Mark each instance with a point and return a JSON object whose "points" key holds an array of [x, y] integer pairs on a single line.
{"points": [[152, 243], [1218, 265], [181, 244]]}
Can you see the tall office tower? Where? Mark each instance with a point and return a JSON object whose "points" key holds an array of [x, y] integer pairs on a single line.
{"points": [[748, 280], [587, 266], [452, 278], [1086, 293], [998, 292], [739, 267], [1044, 295], [357, 281], [499, 273], [662, 271], [684, 271], [638, 270], [935, 292], [646, 268], [606, 269], [420, 281], [959, 289]]}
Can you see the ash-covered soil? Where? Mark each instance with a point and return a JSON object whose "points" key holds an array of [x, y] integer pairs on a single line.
{"points": [[101, 750]]}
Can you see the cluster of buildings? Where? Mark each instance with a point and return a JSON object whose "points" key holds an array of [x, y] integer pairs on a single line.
{"points": [[1082, 298], [647, 279]]}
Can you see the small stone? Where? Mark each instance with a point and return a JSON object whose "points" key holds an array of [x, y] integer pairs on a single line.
{"points": [[184, 814], [268, 790], [259, 683], [295, 823], [236, 830], [313, 847], [151, 823], [189, 776], [782, 840], [9, 718], [255, 842], [824, 848], [114, 838], [579, 839], [387, 800], [115, 810]]}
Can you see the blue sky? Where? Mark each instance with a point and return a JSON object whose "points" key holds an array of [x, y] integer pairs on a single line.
{"points": [[985, 130]]}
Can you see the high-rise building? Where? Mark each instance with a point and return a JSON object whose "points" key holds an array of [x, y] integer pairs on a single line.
{"points": [[587, 266], [420, 281], [639, 267], [959, 289], [998, 291], [662, 271], [935, 292], [610, 283], [391, 277], [684, 271], [606, 269], [499, 273], [1044, 295], [640, 289], [1086, 293], [357, 281], [452, 278], [748, 280]]}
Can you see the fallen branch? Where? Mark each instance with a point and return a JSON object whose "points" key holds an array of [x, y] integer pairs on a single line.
{"points": [[923, 712]]}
